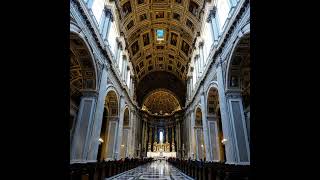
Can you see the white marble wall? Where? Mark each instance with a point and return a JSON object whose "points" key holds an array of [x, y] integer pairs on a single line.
{"points": [[88, 125], [215, 75]]}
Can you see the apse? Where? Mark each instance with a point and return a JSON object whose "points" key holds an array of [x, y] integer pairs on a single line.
{"points": [[161, 102]]}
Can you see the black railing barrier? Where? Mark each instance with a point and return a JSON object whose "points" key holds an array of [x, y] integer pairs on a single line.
{"points": [[104, 169], [201, 170]]}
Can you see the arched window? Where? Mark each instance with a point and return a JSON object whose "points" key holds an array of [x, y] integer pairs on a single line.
{"points": [[97, 8], [121, 59], [223, 8], [112, 38], [161, 137], [128, 79], [208, 36]]}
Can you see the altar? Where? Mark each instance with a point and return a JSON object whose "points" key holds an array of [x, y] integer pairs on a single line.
{"points": [[162, 150], [159, 149], [158, 154]]}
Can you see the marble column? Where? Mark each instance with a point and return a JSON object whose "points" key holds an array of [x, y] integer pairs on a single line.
{"points": [[205, 127], [94, 141], [237, 118], [143, 134], [178, 135], [199, 60], [173, 139], [120, 128], [166, 134], [201, 44], [228, 133], [155, 138], [118, 58], [150, 140], [198, 66], [81, 138], [145, 139], [131, 138], [189, 87], [193, 140]]}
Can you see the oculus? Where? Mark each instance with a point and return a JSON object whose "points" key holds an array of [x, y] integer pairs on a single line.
{"points": [[160, 34]]}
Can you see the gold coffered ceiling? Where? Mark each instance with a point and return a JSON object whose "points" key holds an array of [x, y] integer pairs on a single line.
{"points": [[180, 22], [82, 72], [161, 102]]}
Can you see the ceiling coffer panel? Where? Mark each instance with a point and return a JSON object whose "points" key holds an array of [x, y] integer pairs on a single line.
{"points": [[160, 34]]}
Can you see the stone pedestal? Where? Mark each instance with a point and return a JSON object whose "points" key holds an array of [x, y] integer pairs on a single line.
{"points": [[81, 138]]}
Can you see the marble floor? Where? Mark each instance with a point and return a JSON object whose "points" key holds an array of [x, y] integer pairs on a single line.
{"points": [[159, 169]]}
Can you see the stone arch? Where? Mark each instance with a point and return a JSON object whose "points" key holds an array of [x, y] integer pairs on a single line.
{"points": [[231, 58], [198, 116], [111, 88], [109, 122], [237, 88], [83, 75], [199, 135], [214, 121]]}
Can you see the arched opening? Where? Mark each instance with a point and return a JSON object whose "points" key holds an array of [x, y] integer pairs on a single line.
{"points": [[200, 145], [161, 102], [125, 135], [102, 134], [216, 139], [239, 76], [82, 78], [107, 133]]}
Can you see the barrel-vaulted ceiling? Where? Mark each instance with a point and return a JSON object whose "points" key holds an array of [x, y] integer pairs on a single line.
{"points": [[160, 34]]}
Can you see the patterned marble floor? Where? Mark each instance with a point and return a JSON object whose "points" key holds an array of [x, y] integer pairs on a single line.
{"points": [[159, 169]]}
